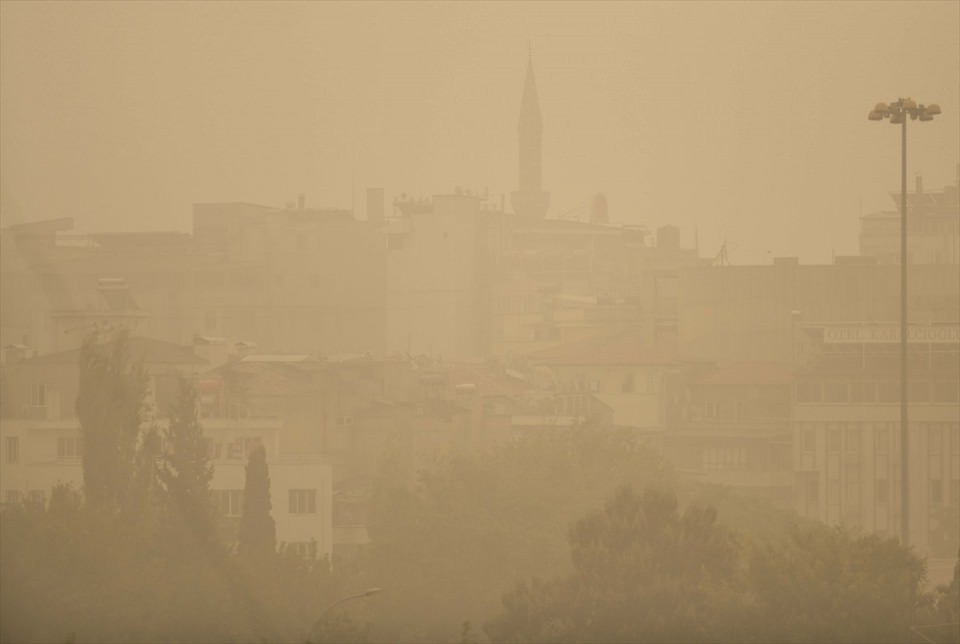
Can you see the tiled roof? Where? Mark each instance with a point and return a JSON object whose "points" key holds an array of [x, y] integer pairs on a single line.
{"points": [[624, 347], [489, 381], [747, 373]]}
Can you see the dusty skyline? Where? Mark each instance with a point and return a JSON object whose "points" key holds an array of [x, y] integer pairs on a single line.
{"points": [[745, 121]]}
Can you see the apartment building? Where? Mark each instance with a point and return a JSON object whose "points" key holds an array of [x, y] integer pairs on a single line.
{"points": [[41, 443], [847, 452], [734, 429]]}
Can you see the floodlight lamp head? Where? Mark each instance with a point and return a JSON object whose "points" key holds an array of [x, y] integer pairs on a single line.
{"points": [[896, 118], [882, 109], [908, 104], [875, 116], [933, 109]]}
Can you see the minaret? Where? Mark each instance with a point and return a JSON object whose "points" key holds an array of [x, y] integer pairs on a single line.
{"points": [[529, 198]]}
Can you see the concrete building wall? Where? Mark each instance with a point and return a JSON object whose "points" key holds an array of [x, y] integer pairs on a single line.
{"points": [[434, 273]]}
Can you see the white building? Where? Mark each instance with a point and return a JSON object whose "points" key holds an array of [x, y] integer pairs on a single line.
{"points": [[847, 452], [41, 445]]}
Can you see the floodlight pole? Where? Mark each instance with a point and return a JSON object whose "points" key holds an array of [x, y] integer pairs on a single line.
{"points": [[904, 109], [904, 389]]}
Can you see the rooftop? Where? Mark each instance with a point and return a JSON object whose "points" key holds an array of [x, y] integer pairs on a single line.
{"points": [[151, 351], [624, 347], [747, 373]]}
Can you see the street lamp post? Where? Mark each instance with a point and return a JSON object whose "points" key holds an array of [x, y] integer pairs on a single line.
{"points": [[899, 112], [319, 620]]}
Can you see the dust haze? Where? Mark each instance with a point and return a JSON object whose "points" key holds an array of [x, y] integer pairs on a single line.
{"points": [[480, 322]]}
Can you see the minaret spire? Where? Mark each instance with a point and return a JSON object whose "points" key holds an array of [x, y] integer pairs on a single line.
{"points": [[529, 198]]}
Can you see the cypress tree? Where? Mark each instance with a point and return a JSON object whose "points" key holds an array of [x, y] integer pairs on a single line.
{"points": [[257, 535], [110, 406], [185, 471]]}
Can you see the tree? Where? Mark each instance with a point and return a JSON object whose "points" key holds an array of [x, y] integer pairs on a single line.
{"points": [[445, 547], [257, 535], [110, 406], [642, 572], [830, 585], [938, 616], [185, 472]]}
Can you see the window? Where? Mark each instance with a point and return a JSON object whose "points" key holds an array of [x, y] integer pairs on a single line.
{"points": [[813, 489], [936, 492], [303, 501], [229, 503], [808, 392], [919, 391], [946, 391], [38, 396], [344, 421], [69, 448], [883, 491], [833, 499], [882, 437], [305, 549], [835, 392], [12, 497], [249, 445], [809, 440], [741, 409], [725, 458], [853, 440], [37, 497], [627, 386], [889, 391], [12, 450], [935, 440], [241, 448], [234, 450], [863, 392], [214, 449], [833, 440], [853, 495]]}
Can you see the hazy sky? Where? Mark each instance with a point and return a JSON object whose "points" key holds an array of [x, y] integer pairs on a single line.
{"points": [[746, 121]]}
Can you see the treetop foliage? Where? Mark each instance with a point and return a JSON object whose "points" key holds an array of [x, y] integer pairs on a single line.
{"points": [[257, 535], [111, 407]]}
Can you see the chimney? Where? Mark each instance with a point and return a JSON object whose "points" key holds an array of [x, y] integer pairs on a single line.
{"points": [[919, 185], [375, 204]]}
